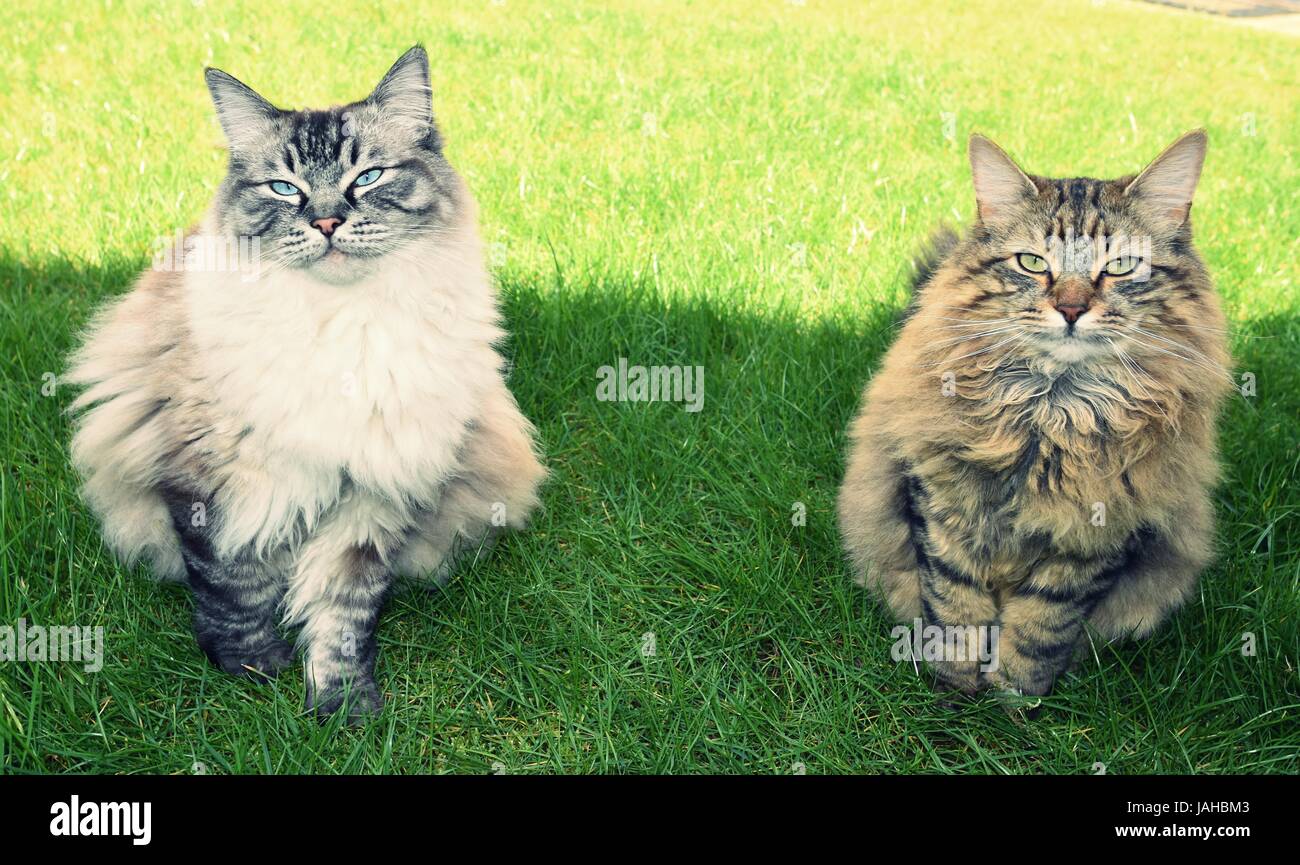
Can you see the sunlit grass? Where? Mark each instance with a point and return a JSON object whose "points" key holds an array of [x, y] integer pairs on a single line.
{"points": [[704, 183]]}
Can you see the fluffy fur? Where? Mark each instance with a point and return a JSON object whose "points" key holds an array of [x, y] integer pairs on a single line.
{"points": [[1038, 449], [288, 436]]}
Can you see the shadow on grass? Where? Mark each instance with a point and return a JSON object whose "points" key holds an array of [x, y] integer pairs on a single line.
{"points": [[665, 609]]}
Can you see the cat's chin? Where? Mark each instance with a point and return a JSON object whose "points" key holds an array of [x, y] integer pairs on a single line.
{"points": [[339, 268], [1073, 349]]}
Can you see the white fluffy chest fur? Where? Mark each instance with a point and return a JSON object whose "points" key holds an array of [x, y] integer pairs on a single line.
{"points": [[374, 381]]}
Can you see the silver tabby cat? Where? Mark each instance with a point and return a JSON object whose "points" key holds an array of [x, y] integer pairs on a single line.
{"points": [[289, 426]]}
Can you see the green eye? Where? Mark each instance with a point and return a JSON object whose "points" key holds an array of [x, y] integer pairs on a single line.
{"points": [[368, 178], [1121, 266], [279, 187], [1032, 263]]}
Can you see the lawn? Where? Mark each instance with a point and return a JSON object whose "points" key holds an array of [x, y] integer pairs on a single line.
{"points": [[714, 184]]}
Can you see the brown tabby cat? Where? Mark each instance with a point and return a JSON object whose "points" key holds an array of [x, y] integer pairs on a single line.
{"points": [[1038, 449]]}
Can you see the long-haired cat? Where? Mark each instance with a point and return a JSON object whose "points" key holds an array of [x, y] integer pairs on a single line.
{"points": [[1038, 450], [288, 429]]}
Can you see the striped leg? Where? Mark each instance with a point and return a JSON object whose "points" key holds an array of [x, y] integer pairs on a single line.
{"points": [[1043, 618], [339, 635], [235, 601], [1041, 625], [234, 617], [956, 608], [337, 591], [965, 611]]}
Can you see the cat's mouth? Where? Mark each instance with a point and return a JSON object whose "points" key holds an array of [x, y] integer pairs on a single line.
{"points": [[337, 252], [338, 266], [1071, 345]]}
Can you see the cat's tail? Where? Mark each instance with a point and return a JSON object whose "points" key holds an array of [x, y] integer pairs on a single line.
{"points": [[930, 259], [932, 255]]}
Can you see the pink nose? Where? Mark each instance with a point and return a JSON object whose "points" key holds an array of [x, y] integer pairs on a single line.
{"points": [[327, 225], [1072, 311]]}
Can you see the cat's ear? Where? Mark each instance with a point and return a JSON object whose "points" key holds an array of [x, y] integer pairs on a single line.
{"points": [[1168, 183], [405, 92], [244, 115], [999, 182]]}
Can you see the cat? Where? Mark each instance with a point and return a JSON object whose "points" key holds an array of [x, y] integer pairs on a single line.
{"points": [[1038, 449], [289, 434]]}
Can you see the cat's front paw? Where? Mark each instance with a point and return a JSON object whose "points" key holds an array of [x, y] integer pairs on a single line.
{"points": [[360, 698], [1020, 697], [260, 662], [963, 678]]}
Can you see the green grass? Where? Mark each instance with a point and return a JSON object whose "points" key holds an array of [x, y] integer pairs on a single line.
{"points": [[700, 183]]}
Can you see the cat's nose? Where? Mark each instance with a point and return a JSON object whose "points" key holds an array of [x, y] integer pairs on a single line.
{"points": [[1071, 311], [327, 225], [1072, 298]]}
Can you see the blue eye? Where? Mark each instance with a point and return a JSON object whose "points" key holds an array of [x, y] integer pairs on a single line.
{"points": [[279, 187], [368, 178]]}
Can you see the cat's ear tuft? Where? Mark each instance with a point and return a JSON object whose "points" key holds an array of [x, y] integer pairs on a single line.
{"points": [[244, 115], [405, 92], [1168, 183], [999, 182]]}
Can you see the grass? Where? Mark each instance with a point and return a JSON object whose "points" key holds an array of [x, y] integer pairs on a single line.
{"points": [[703, 183]]}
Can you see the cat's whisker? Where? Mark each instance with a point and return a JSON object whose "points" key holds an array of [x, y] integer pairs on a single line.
{"points": [[1218, 373], [966, 322], [307, 415], [1051, 429], [978, 324], [1234, 334], [1140, 378], [1192, 356], [948, 360], [998, 362], [973, 336]]}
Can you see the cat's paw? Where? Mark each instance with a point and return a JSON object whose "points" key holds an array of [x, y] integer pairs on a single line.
{"points": [[1019, 704], [360, 699], [262, 662], [1021, 698], [1028, 682], [963, 679]]}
